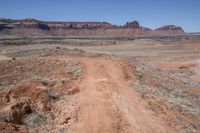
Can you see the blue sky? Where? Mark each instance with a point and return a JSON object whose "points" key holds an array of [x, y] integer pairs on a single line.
{"points": [[150, 13]]}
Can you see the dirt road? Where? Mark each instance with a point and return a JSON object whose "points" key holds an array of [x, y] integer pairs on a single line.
{"points": [[105, 102], [108, 103]]}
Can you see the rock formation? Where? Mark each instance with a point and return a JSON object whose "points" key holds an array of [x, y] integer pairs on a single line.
{"points": [[31, 23], [170, 27], [134, 25], [97, 29]]}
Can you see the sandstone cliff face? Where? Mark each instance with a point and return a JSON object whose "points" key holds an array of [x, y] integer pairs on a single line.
{"points": [[31, 23], [170, 27], [103, 29], [169, 30], [134, 25], [25, 23], [79, 25]]}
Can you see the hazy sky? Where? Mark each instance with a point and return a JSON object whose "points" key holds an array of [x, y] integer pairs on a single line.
{"points": [[150, 13]]}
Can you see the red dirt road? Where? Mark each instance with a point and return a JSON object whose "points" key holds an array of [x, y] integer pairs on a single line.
{"points": [[109, 104]]}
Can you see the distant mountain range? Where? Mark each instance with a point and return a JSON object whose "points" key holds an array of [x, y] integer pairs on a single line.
{"points": [[33, 27]]}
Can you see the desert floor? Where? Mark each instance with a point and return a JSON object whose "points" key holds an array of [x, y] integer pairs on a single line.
{"points": [[82, 85]]}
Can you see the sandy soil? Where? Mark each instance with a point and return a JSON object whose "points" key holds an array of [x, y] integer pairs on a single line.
{"points": [[108, 105]]}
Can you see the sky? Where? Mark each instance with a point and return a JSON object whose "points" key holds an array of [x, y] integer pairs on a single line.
{"points": [[149, 13]]}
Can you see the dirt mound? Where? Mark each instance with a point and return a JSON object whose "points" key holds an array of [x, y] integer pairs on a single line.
{"points": [[14, 112]]}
